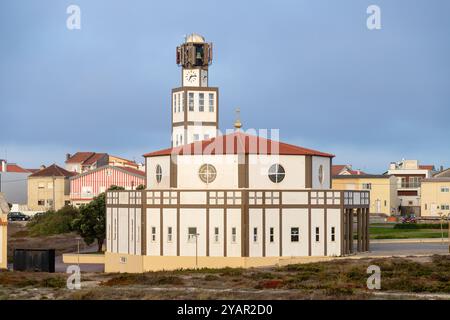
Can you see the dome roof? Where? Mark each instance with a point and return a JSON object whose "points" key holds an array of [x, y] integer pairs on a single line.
{"points": [[195, 38]]}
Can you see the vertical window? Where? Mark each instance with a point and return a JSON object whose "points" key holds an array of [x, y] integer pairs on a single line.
{"points": [[216, 234], [233, 235], [115, 228], [153, 234], [385, 203], [211, 102], [191, 101], [158, 173], [201, 102], [206, 137], [196, 137], [174, 103], [294, 234], [333, 234], [169, 234], [192, 234], [271, 235], [132, 230], [317, 234], [178, 102], [255, 234]]}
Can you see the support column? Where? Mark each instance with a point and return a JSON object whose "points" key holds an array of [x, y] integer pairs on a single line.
{"points": [[367, 229], [359, 229], [350, 230]]}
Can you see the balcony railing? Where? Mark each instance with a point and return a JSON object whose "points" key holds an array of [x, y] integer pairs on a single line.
{"points": [[409, 185]]}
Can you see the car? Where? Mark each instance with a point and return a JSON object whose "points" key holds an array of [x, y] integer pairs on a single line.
{"points": [[17, 216]]}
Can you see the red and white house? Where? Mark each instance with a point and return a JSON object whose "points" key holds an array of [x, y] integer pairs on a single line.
{"points": [[85, 186]]}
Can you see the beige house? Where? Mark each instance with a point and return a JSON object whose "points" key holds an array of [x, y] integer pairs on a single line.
{"points": [[435, 197], [383, 190], [4, 209], [49, 188]]}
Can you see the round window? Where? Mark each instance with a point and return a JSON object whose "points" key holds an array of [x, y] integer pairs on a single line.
{"points": [[321, 174], [276, 173], [158, 173], [207, 173]]}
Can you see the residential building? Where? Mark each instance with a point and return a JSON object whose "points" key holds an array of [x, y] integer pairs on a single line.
{"points": [[436, 196], [85, 186], [13, 182], [409, 176], [49, 188], [4, 210], [382, 188], [121, 162], [84, 161], [344, 169], [235, 200]]}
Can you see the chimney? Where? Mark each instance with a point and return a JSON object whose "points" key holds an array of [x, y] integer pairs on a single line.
{"points": [[42, 167], [67, 156], [442, 168], [4, 167]]}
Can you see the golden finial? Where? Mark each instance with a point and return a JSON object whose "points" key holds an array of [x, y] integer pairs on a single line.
{"points": [[237, 123]]}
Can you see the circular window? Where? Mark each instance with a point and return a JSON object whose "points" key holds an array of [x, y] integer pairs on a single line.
{"points": [[158, 173], [321, 174], [207, 173], [276, 173]]}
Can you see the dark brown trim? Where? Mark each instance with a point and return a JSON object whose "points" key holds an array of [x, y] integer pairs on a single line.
{"points": [[225, 229], [281, 226], [245, 225], [173, 171], [243, 170], [178, 224], [263, 232], [207, 224], [308, 172], [309, 226], [325, 231], [161, 230], [143, 223], [194, 123]]}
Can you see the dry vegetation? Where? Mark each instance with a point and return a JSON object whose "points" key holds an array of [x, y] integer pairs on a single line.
{"points": [[342, 279]]}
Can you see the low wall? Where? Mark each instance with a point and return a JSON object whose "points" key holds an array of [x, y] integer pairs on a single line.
{"points": [[125, 263], [74, 258]]}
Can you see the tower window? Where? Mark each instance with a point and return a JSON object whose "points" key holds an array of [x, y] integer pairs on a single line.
{"points": [[333, 234], [201, 102], [158, 173], [169, 234], [206, 137], [196, 137], [153, 234], [191, 101], [178, 102], [276, 173], [317, 234], [255, 234], [211, 102], [174, 103]]}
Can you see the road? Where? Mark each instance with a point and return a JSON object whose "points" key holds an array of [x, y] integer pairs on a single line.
{"points": [[402, 249]]}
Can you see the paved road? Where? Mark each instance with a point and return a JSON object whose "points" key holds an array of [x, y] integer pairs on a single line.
{"points": [[392, 248]]}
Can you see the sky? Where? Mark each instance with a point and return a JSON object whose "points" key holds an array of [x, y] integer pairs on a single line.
{"points": [[310, 68]]}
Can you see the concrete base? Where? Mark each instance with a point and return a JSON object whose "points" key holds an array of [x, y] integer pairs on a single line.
{"points": [[125, 263]]}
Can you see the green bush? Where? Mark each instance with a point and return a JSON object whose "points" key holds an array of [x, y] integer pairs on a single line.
{"points": [[420, 226], [53, 222]]}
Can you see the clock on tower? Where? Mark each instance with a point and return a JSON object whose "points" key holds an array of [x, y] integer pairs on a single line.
{"points": [[194, 104]]}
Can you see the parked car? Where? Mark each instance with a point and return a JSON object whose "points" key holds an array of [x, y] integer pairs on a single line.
{"points": [[17, 216]]}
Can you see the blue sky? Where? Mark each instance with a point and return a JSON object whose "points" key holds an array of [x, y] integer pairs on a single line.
{"points": [[310, 68]]}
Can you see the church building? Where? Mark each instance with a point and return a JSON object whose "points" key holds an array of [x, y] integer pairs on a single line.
{"points": [[233, 200]]}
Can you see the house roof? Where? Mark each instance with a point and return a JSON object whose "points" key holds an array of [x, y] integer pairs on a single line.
{"points": [[238, 143], [12, 167], [443, 174], [132, 171], [361, 176], [122, 159], [337, 169], [53, 171], [426, 167], [85, 158]]}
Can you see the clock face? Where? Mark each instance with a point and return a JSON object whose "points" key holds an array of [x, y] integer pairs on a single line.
{"points": [[204, 78], [191, 77]]}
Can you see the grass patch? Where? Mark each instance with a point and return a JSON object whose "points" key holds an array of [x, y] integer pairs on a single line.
{"points": [[390, 232]]}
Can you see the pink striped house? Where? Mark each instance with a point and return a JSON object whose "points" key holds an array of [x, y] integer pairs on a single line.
{"points": [[85, 186]]}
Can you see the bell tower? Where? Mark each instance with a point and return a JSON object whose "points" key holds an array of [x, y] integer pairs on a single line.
{"points": [[195, 105]]}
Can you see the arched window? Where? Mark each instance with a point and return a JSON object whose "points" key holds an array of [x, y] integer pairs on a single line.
{"points": [[158, 173], [321, 174], [207, 173], [276, 173]]}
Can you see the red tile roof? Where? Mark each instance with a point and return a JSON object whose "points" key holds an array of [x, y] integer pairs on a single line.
{"points": [[131, 170], [53, 171], [12, 167], [238, 143], [94, 158], [336, 169], [426, 167], [85, 158]]}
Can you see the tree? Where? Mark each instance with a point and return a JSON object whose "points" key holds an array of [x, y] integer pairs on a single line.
{"points": [[91, 223]]}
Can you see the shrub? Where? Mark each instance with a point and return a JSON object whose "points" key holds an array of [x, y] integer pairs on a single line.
{"points": [[53, 222]]}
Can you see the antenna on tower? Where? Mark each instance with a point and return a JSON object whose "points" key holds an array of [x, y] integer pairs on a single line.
{"points": [[238, 123]]}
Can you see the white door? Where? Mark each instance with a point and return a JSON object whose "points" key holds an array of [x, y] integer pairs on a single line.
{"points": [[378, 205]]}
